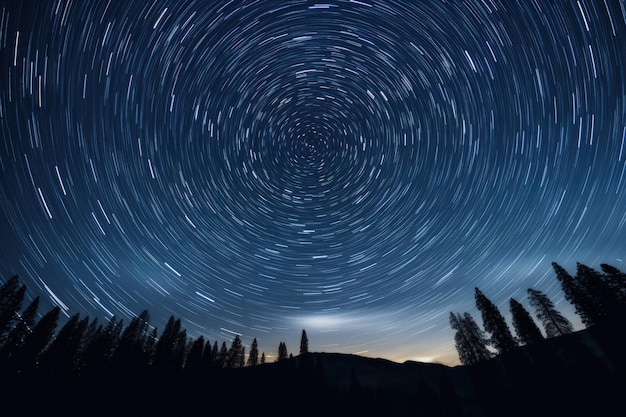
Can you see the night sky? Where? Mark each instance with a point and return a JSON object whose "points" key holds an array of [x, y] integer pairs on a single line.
{"points": [[353, 168]]}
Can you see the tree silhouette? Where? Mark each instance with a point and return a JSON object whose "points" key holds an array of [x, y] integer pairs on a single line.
{"points": [[304, 343], [99, 349], [470, 340], [195, 356], [576, 295], [604, 299], [617, 282], [554, 323], [253, 357], [493, 322], [222, 356], [37, 341], [22, 329], [131, 356], [170, 349], [11, 297], [242, 357], [235, 353], [61, 356], [282, 352], [262, 358], [213, 359], [524, 325]]}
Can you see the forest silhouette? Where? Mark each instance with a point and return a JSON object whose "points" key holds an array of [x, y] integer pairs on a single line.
{"points": [[90, 368]]}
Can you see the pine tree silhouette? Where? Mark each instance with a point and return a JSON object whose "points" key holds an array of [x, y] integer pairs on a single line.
{"points": [[27, 356], [304, 343], [493, 322], [11, 298], [616, 280], [253, 357], [554, 323], [604, 299], [235, 353], [470, 340], [222, 356], [22, 329], [282, 352], [576, 295], [524, 325]]}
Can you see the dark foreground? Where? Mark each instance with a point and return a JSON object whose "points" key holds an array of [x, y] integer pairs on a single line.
{"points": [[581, 374]]}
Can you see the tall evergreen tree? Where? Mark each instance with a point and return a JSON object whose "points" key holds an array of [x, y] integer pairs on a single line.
{"points": [[581, 301], [554, 323], [525, 327], [470, 340], [215, 353], [90, 333], [253, 357], [169, 349], [11, 298], [98, 351], [604, 299], [282, 352], [493, 322], [206, 354], [61, 356], [242, 358], [617, 282], [195, 357], [23, 328], [222, 356], [262, 358], [234, 353], [26, 357], [130, 355], [304, 343]]}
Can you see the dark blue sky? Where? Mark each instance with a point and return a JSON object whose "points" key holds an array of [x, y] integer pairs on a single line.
{"points": [[354, 168]]}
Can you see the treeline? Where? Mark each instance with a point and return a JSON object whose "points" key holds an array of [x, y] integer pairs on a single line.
{"points": [[595, 295], [84, 349], [87, 368]]}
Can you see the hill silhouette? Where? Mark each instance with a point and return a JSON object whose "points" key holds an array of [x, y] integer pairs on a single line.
{"points": [[579, 374], [92, 369]]}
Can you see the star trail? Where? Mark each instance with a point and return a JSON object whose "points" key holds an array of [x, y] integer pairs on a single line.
{"points": [[354, 168]]}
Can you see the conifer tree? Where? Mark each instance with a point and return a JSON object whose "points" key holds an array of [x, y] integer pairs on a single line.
{"points": [[194, 359], [242, 357], [150, 345], [11, 298], [525, 327], [262, 358], [222, 356], [581, 301], [282, 352], [493, 322], [60, 358], [617, 282], [130, 355], [215, 352], [234, 353], [604, 299], [98, 351], [170, 348], [37, 340], [554, 323], [470, 340], [304, 343], [206, 354], [90, 333], [253, 357], [23, 328]]}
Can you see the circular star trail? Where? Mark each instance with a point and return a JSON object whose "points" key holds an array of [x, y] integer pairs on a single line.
{"points": [[354, 168]]}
